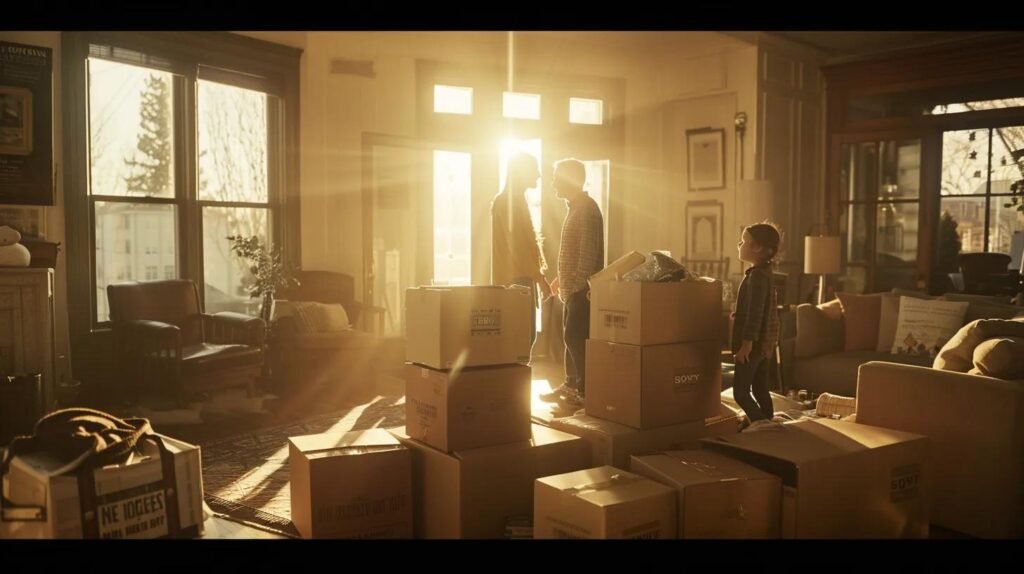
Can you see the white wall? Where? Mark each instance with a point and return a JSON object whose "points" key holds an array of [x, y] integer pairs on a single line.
{"points": [[714, 73]]}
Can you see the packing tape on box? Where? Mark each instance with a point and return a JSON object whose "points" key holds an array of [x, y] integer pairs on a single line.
{"points": [[618, 479]]}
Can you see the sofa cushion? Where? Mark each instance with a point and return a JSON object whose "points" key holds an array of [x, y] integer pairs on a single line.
{"points": [[890, 314], [860, 320], [925, 326], [819, 329], [837, 372], [1002, 358], [958, 353]]}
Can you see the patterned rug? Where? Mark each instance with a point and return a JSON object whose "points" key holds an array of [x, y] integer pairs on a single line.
{"points": [[246, 477]]}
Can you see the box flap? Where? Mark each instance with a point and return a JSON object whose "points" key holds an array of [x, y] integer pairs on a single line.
{"points": [[355, 442], [605, 485], [691, 467]]}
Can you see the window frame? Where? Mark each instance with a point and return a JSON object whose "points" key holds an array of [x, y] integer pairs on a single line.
{"points": [[191, 56]]}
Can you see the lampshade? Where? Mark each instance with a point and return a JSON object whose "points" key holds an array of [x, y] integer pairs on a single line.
{"points": [[821, 255], [755, 199]]}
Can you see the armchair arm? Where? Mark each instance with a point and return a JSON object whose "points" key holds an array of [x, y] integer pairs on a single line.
{"points": [[227, 327], [152, 348], [816, 333], [157, 329]]}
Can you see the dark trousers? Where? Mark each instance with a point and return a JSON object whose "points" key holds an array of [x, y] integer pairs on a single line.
{"points": [[575, 332], [753, 376]]}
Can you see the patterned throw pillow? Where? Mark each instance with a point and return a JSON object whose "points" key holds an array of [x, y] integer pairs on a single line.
{"points": [[333, 318], [306, 316], [924, 326], [313, 317]]}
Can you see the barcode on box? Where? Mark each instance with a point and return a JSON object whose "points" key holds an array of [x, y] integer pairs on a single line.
{"points": [[616, 321]]}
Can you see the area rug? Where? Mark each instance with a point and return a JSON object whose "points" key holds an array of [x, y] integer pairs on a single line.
{"points": [[246, 477]]}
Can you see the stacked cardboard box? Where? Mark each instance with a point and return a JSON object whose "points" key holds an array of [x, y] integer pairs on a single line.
{"points": [[466, 386], [653, 357], [468, 423], [485, 492]]}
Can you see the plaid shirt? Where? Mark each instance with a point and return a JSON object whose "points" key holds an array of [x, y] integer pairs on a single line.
{"points": [[757, 315], [581, 253]]}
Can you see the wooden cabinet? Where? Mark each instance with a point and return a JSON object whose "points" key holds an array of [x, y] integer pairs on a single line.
{"points": [[26, 326]]}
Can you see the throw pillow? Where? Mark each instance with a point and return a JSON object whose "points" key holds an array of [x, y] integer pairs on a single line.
{"points": [[958, 353], [1001, 358], [819, 330], [306, 316], [890, 314], [333, 318], [924, 326], [861, 315]]}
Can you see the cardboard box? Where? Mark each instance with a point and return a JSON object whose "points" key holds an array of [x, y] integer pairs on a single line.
{"points": [[450, 327], [841, 479], [478, 493], [652, 386], [612, 444], [351, 485], [131, 499], [467, 408], [603, 502], [645, 313], [616, 269], [727, 421], [718, 497]]}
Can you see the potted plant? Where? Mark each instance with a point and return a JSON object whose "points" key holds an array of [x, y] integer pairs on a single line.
{"points": [[269, 273]]}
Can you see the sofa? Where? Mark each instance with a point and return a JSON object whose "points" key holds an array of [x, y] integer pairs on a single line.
{"points": [[976, 424], [816, 358]]}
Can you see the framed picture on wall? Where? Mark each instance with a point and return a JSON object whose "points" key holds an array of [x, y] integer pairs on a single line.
{"points": [[15, 121], [704, 234], [705, 158]]}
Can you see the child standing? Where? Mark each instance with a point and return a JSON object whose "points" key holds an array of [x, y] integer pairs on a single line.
{"points": [[756, 326]]}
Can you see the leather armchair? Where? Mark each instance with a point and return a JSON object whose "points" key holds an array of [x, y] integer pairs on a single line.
{"points": [[165, 341]]}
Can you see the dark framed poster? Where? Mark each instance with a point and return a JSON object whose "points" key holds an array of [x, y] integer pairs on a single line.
{"points": [[26, 124]]}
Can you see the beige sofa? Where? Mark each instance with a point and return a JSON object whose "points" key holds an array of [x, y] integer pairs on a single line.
{"points": [[820, 364], [976, 423], [815, 359]]}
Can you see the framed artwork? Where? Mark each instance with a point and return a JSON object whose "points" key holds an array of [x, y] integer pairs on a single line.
{"points": [[704, 234], [26, 125], [705, 158], [15, 121]]}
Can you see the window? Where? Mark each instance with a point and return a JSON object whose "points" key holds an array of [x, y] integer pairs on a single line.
{"points": [[962, 107], [880, 214], [453, 100], [233, 190], [160, 195], [978, 169], [523, 106], [584, 111]]}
